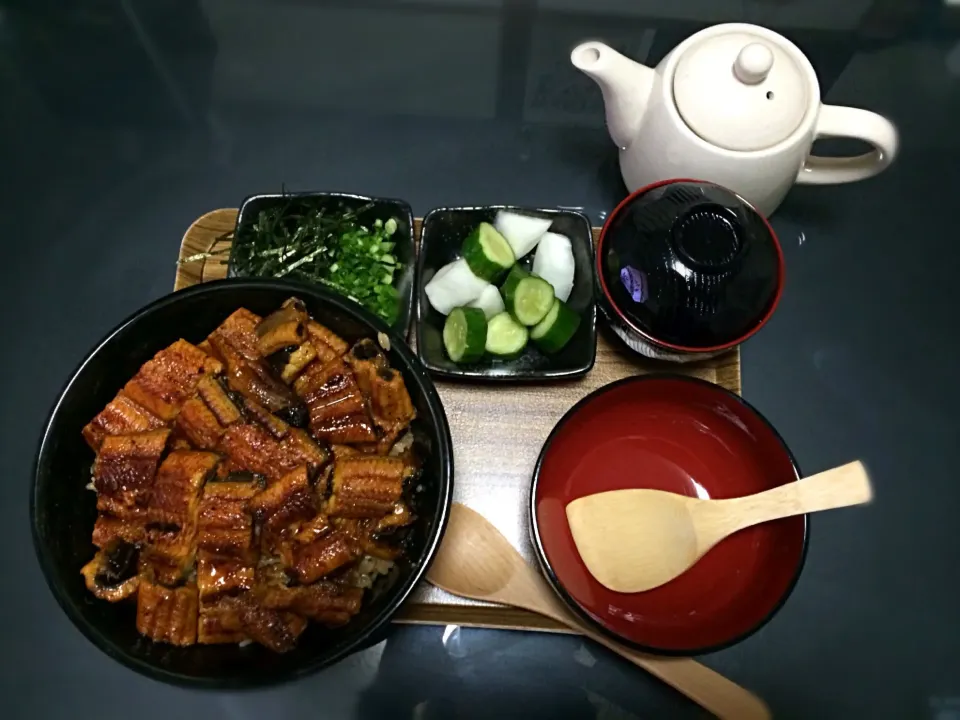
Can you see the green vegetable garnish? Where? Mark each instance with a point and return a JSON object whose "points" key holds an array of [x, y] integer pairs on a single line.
{"points": [[332, 247]]}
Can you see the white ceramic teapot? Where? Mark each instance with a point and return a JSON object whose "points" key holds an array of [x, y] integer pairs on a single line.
{"points": [[735, 104]]}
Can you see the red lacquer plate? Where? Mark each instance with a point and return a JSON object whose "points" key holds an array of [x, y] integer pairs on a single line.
{"points": [[685, 436]]}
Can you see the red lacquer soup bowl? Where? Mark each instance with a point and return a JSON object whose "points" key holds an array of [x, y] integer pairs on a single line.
{"points": [[685, 436]]}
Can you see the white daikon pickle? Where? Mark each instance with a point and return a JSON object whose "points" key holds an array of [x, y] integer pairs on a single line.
{"points": [[452, 286], [489, 301], [554, 263], [523, 232]]}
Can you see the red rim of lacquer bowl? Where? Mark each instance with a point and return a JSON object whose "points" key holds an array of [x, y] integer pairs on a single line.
{"points": [[639, 619]]}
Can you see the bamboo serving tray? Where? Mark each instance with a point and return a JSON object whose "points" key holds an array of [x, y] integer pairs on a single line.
{"points": [[497, 434]]}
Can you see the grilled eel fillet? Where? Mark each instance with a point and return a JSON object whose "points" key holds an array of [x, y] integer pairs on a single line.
{"points": [[327, 347], [112, 574], [275, 629], [311, 561], [328, 603], [338, 409], [297, 361], [390, 405], [390, 402], [283, 328], [214, 394], [366, 359], [247, 372], [121, 416], [399, 517], [226, 556], [327, 344], [219, 577], [239, 330], [296, 449], [123, 476], [126, 467], [365, 531], [367, 486], [257, 413], [283, 505], [127, 524], [248, 447], [234, 619], [224, 523], [198, 425], [219, 622], [304, 367], [251, 447], [205, 417], [167, 614], [163, 383], [173, 512]]}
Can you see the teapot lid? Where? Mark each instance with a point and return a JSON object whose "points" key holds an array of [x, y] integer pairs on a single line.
{"points": [[740, 91]]}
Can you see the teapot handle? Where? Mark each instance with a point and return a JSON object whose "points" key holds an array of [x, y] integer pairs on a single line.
{"points": [[837, 121]]}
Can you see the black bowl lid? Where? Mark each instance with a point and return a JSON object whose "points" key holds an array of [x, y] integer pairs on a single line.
{"points": [[691, 265]]}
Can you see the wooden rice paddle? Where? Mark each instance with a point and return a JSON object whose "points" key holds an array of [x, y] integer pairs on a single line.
{"points": [[636, 540], [475, 561]]}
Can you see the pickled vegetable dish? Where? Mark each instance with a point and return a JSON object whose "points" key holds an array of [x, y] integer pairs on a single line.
{"points": [[493, 305]]}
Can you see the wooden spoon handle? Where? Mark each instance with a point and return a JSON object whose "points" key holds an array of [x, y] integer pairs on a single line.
{"points": [[840, 487], [709, 689]]}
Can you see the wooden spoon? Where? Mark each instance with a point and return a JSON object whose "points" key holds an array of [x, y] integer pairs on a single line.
{"points": [[635, 540], [475, 561]]}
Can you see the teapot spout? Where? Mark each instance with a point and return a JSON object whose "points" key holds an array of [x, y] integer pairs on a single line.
{"points": [[625, 85]]}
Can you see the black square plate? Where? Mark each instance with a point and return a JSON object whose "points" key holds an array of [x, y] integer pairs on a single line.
{"points": [[444, 230], [382, 209]]}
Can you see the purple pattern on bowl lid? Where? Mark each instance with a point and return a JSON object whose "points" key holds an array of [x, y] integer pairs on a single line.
{"points": [[635, 282]]}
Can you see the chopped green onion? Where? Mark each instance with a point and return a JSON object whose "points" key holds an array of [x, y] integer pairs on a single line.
{"points": [[329, 246]]}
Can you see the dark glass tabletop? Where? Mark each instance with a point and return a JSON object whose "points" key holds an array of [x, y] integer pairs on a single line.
{"points": [[123, 120]]}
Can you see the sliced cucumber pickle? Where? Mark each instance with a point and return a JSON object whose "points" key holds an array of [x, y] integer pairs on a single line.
{"points": [[513, 278], [465, 334], [488, 253], [527, 297], [556, 329], [505, 336]]}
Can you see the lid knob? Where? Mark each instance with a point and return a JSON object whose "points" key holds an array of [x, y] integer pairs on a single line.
{"points": [[742, 90], [753, 64], [707, 237]]}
